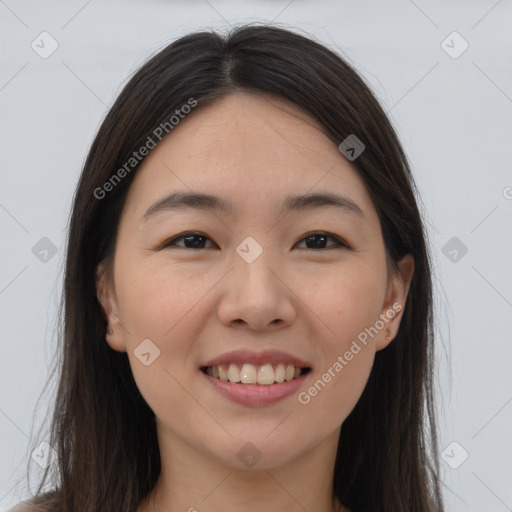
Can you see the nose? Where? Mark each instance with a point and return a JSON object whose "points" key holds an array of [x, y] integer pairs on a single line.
{"points": [[257, 295]]}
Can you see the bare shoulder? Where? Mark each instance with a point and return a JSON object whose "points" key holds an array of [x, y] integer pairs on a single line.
{"points": [[41, 503], [23, 507]]}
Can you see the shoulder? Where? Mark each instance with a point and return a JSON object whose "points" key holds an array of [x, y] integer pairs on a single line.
{"points": [[45, 502], [23, 507]]}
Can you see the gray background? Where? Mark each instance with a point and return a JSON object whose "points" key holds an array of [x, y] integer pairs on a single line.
{"points": [[452, 115]]}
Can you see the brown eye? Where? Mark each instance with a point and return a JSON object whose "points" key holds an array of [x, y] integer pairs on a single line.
{"points": [[319, 241], [190, 241]]}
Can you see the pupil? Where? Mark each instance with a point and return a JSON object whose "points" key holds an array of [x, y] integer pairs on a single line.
{"points": [[188, 238], [319, 244], [312, 237]]}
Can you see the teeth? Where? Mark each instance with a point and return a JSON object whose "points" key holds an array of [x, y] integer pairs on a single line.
{"points": [[246, 373], [280, 373], [249, 374], [234, 373], [290, 370], [266, 375], [223, 374]]}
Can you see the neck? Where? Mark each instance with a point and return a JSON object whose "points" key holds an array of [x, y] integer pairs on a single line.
{"points": [[195, 482]]}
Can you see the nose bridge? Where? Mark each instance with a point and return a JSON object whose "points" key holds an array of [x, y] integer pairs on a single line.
{"points": [[256, 294], [256, 266]]}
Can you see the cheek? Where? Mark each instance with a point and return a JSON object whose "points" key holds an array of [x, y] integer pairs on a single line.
{"points": [[157, 299], [161, 305], [348, 306], [332, 395], [348, 302]]}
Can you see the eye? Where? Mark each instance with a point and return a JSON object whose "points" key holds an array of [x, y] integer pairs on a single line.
{"points": [[317, 241], [191, 241]]}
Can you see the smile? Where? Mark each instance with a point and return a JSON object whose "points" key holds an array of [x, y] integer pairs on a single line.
{"points": [[247, 373]]}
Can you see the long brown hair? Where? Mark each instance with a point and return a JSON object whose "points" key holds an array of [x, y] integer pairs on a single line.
{"points": [[102, 429]]}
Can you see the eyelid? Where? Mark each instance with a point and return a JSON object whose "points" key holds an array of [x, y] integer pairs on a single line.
{"points": [[339, 242], [336, 238], [171, 241]]}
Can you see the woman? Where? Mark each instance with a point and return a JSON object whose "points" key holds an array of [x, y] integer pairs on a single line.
{"points": [[248, 314]]}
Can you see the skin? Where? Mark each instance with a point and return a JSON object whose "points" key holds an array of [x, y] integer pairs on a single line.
{"points": [[198, 303]]}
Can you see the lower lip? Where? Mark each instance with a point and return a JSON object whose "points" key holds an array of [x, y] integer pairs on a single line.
{"points": [[256, 395]]}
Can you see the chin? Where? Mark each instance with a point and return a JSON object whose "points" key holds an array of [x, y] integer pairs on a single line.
{"points": [[256, 452]]}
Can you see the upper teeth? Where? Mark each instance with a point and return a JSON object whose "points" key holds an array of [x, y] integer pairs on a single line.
{"points": [[251, 374]]}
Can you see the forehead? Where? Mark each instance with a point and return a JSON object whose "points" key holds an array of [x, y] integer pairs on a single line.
{"points": [[255, 150]]}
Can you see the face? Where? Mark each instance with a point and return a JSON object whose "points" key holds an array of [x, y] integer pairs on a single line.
{"points": [[264, 283]]}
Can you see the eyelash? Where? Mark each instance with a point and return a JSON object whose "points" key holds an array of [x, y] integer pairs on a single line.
{"points": [[339, 242]]}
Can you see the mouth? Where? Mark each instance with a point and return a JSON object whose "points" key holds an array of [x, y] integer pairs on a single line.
{"points": [[256, 379], [267, 374]]}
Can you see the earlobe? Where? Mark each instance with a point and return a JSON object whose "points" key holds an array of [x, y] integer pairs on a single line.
{"points": [[396, 297], [384, 340]]}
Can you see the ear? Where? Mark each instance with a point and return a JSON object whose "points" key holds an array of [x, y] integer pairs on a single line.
{"points": [[394, 304], [106, 295]]}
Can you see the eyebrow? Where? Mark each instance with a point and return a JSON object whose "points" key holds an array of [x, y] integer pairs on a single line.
{"points": [[201, 201]]}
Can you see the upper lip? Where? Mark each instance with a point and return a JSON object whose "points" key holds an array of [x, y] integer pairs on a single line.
{"points": [[257, 358]]}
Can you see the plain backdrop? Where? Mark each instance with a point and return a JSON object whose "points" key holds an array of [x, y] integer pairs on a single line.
{"points": [[449, 97]]}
